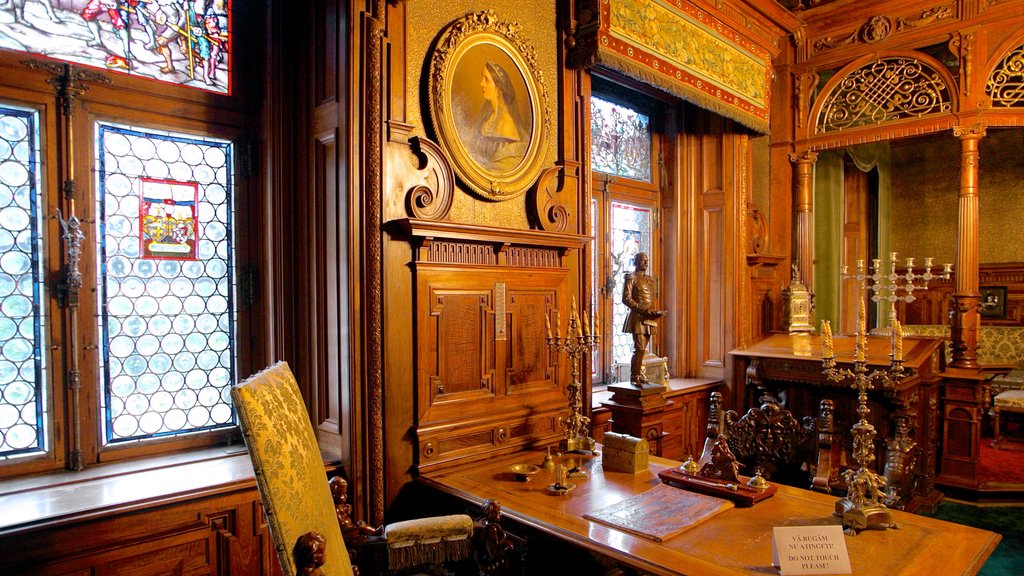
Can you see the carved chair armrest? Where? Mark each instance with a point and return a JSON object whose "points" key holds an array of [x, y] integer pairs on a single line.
{"points": [[424, 541]]}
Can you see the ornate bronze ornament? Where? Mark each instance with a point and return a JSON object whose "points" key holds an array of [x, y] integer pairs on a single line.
{"points": [[882, 91], [489, 106], [1006, 84]]}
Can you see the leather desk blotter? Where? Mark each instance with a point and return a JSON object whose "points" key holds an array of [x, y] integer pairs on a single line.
{"points": [[660, 513], [739, 493]]}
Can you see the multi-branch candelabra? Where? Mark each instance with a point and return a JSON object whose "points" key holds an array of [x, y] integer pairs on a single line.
{"points": [[578, 340], [863, 506], [887, 285]]}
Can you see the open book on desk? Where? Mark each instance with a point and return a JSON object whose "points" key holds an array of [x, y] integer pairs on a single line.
{"points": [[660, 513]]}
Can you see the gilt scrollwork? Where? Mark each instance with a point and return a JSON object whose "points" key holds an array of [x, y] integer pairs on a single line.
{"points": [[884, 90], [1005, 85]]}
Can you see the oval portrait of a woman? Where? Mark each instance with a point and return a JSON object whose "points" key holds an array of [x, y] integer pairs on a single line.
{"points": [[491, 106]]}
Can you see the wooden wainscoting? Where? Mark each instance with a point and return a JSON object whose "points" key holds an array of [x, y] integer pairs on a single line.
{"points": [[197, 519]]}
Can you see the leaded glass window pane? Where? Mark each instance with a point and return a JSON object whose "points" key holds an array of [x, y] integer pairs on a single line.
{"points": [[167, 309], [179, 41], [22, 378], [630, 234], [620, 140]]}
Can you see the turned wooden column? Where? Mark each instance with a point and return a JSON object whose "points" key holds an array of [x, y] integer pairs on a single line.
{"points": [[965, 320], [803, 202]]}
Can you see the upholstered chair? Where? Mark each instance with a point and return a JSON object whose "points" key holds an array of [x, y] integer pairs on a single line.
{"points": [[305, 521]]}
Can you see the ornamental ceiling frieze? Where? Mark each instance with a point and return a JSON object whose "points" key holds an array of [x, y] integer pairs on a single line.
{"points": [[880, 27]]}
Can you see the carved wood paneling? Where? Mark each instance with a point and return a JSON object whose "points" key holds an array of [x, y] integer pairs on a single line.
{"points": [[456, 331], [932, 306], [219, 535], [527, 310], [464, 370]]}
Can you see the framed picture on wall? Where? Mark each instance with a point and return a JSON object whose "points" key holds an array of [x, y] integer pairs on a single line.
{"points": [[488, 105], [992, 303]]}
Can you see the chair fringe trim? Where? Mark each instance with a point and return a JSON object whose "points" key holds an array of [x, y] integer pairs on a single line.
{"points": [[433, 553]]}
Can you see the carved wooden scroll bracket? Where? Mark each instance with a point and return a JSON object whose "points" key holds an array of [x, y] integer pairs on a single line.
{"points": [[553, 193], [431, 197]]}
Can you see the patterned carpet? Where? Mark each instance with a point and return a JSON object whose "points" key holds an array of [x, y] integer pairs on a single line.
{"points": [[1003, 465], [1008, 558]]}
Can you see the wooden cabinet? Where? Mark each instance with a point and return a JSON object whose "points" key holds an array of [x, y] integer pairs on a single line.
{"points": [[218, 535], [674, 424], [686, 421], [484, 302], [202, 518]]}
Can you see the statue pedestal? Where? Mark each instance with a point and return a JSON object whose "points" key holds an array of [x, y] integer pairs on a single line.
{"points": [[639, 411], [655, 368]]}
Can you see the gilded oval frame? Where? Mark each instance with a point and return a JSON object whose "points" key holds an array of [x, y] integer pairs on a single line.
{"points": [[488, 105]]}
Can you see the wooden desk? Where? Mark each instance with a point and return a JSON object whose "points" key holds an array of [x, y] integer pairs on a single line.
{"points": [[737, 541]]}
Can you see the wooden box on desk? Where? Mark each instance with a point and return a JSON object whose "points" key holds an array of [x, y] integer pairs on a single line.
{"points": [[624, 453]]}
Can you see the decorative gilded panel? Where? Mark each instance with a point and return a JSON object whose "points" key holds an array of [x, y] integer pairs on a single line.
{"points": [[1005, 85], [682, 49], [882, 91]]}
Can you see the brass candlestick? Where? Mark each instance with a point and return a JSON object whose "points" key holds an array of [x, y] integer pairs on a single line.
{"points": [[578, 340], [863, 506]]}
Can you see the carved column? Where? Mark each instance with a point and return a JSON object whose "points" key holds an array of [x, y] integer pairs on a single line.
{"points": [[965, 320], [803, 202]]}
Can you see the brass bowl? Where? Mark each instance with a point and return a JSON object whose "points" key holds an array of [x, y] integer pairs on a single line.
{"points": [[524, 471]]}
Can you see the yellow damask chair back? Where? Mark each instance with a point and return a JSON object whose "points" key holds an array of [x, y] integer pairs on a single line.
{"points": [[289, 470]]}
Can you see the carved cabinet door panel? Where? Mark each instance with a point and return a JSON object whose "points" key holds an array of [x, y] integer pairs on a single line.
{"points": [[480, 341]]}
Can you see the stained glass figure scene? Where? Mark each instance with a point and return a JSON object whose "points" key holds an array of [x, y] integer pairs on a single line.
{"points": [[22, 364], [167, 308], [620, 140], [631, 233], [181, 41]]}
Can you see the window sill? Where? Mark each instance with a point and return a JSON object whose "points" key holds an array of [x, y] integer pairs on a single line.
{"points": [[34, 502]]}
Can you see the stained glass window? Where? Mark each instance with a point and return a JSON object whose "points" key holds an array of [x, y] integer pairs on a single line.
{"points": [[180, 41], [22, 390], [167, 309], [620, 140], [631, 233]]}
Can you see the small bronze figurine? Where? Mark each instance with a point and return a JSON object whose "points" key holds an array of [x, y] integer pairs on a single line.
{"points": [[640, 295], [723, 464]]}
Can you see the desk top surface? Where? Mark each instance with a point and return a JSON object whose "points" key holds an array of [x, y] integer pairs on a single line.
{"points": [[737, 541]]}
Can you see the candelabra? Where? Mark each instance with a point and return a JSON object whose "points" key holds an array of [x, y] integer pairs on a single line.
{"points": [[578, 340], [863, 506], [886, 286]]}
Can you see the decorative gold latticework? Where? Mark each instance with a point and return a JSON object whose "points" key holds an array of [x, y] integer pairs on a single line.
{"points": [[881, 91], [1006, 84]]}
